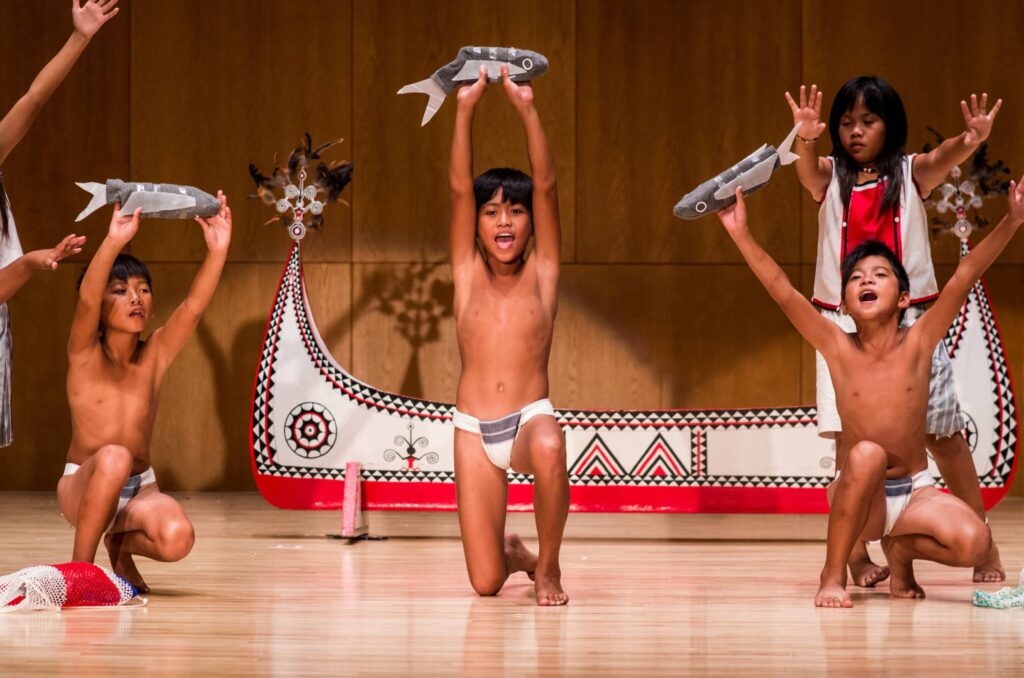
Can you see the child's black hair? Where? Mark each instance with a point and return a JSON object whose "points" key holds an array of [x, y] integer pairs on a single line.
{"points": [[5, 226], [516, 187], [880, 98], [875, 248], [125, 266]]}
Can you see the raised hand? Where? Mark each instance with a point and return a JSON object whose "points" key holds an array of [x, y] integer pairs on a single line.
{"points": [[1015, 198], [521, 96], [123, 228], [471, 94], [89, 16], [47, 260], [734, 217], [217, 229], [977, 120], [808, 113]]}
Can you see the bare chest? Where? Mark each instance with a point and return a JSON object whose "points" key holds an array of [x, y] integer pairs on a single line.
{"points": [[101, 387], [878, 389], [491, 313]]}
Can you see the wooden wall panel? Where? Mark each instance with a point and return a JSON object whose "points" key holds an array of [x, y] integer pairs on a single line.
{"points": [[40, 317], [217, 85], [667, 106], [403, 330], [626, 337], [82, 132], [934, 54], [669, 337], [1003, 282], [808, 373], [401, 209]]}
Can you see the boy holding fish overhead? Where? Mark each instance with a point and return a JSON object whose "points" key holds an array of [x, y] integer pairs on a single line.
{"points": [[505, 305], [114, 379]]}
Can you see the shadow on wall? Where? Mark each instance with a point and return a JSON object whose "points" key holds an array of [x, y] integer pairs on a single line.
{"points": [[417, 299]]}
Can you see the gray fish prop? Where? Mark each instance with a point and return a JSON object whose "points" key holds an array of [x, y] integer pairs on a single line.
{"points": [[163, 201], [752, 173], [523, 66]]}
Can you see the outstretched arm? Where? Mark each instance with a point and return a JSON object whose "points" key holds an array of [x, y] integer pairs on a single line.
{"points": [[814, 172], [17, 273], [932, 167], [460, 174], [546, 226], [933, 324], [822, 334], [172, 337], [85, 324], [87, 19]]}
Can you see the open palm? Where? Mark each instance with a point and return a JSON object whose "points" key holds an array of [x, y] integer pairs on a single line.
{"points": [[978, 119], [807, 113], [91, 15]]}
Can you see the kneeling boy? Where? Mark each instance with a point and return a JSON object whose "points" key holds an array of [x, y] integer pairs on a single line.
{"points": [[881, 376]]}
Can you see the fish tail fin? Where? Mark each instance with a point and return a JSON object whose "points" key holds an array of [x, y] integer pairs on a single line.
{"points": [[99, 197], [432, 90], [787, 156]]}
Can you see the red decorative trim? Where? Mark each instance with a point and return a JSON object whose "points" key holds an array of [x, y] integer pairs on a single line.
{"points": [[299, 493], [259, 359], [822, 304], [807, 421]]}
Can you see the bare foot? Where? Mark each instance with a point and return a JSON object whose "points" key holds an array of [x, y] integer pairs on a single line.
{"points": [[866, 573], [548, 586], [901, 568], [832, 593], [122, 562], [991, 569], [518, 558]]}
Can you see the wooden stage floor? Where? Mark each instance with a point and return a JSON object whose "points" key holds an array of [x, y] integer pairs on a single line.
{"points": [[265, 593]]}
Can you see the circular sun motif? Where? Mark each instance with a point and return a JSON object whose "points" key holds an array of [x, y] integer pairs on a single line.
{"points": [[310, 430]]}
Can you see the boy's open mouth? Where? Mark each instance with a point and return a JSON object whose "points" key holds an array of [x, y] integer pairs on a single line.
{"points": [[868, 295], [504, 240]]}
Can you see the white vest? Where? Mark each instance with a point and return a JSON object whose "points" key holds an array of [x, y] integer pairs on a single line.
{"points": [[914, 243]]}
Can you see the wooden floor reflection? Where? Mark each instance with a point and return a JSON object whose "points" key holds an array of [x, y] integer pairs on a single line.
{"points": [[265, 593]]}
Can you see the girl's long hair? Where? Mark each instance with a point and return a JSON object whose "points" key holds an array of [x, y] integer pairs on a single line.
{"points": [[5, 227], [880, 98]]}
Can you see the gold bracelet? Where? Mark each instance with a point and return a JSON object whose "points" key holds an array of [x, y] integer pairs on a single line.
{"points": [[806, 141]]}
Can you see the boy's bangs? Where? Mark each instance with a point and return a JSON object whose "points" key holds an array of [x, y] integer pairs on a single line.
{"points": [[516, 187]]}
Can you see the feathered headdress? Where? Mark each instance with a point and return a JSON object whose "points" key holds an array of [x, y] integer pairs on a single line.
{"points": [[306, 202]]}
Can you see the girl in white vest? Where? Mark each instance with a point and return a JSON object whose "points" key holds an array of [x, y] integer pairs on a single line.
{"points": [[15, 267], [870, 189]]}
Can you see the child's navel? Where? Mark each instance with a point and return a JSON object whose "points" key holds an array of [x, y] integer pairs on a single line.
{"points": [[501, 387]]}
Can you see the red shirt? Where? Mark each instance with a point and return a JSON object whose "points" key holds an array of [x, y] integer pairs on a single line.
{"points": [[864, 221]]}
